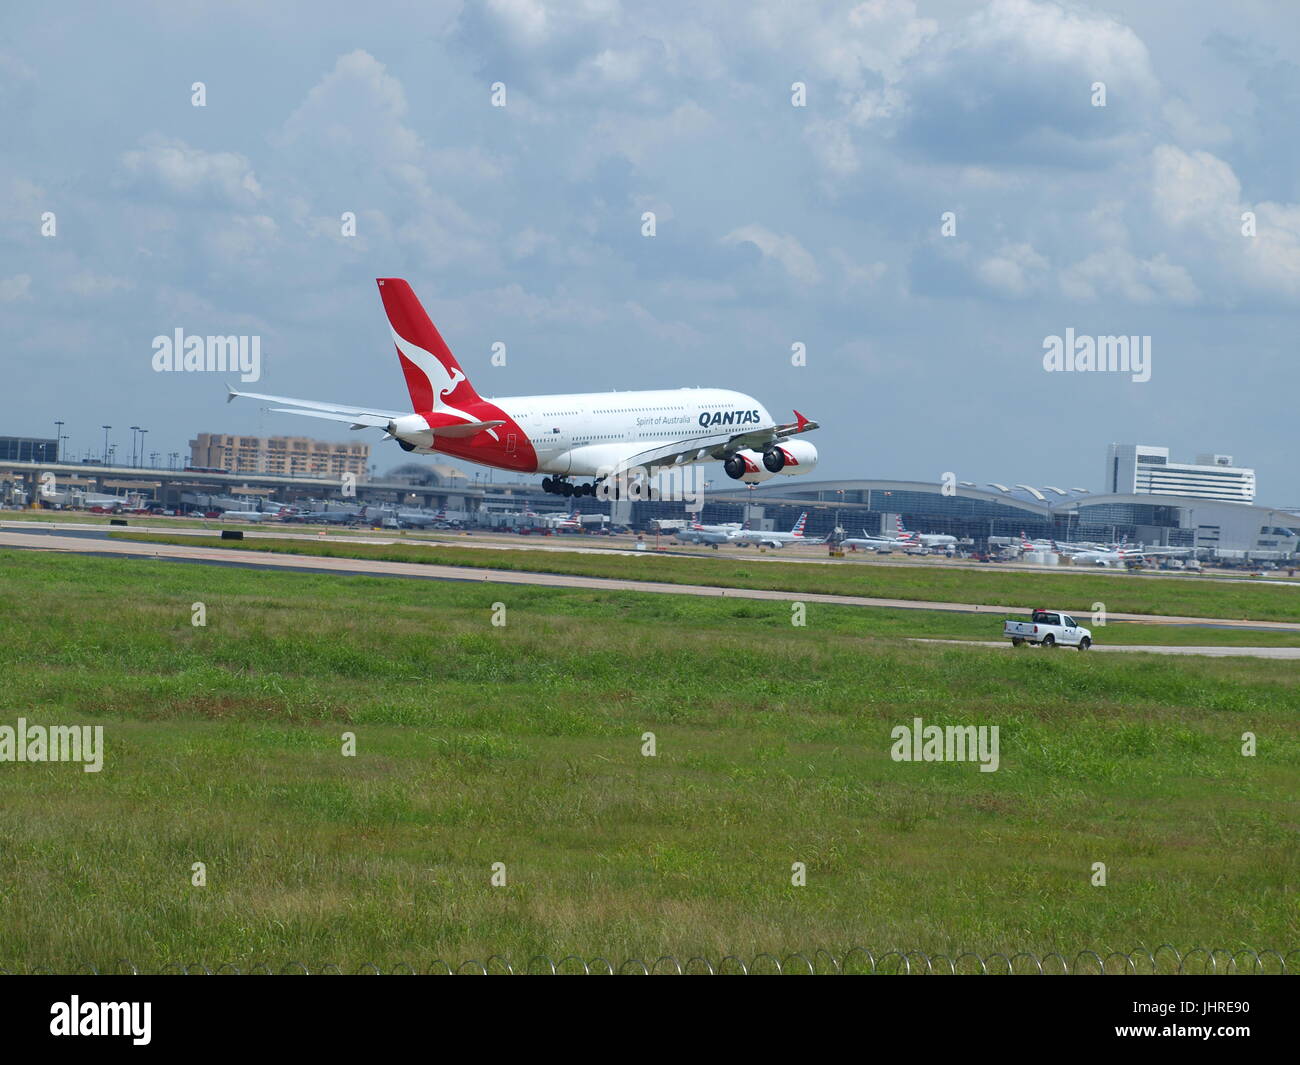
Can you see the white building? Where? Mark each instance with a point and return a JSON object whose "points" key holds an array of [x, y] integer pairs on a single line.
{"points": [[1140, 469]]}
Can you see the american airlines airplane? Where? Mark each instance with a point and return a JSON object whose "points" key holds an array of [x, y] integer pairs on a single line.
{"points": [[598, 434], [773, 539], [1123, 555], [901, 542], [924, 539], [708, 534]]}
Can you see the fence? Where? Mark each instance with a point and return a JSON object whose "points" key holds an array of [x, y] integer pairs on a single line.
{"points": [[858, 960]]}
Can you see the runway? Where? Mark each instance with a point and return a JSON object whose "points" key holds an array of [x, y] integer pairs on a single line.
{"points": [[102, 546], [625, 545], [1154, 649]]}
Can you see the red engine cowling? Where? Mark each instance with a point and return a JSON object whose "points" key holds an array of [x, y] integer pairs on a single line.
{"points": [[799, 457], [746, 466]]}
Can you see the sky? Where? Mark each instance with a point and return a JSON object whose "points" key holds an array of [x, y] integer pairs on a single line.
{"points": [[962, 182]]}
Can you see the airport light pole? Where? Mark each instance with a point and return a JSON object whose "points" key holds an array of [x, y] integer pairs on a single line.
{"points": [[134, 430], [142, 432], [58, 436], [106, 428]]}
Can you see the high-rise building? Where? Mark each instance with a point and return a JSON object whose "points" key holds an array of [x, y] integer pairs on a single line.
{"points": [[287, 455], [1146, 470]]}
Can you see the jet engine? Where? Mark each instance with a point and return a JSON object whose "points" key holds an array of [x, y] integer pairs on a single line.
{"points": [[411, 429], [746, 466], [790, 458]]}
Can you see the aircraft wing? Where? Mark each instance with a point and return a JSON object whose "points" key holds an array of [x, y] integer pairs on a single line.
{"points": [[358, 416], [358, 420], [712, 446]]}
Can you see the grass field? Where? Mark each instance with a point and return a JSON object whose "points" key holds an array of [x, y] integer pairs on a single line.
{"points": [[522, 744]]}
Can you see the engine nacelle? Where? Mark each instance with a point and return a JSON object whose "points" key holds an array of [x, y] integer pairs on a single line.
{"points": [[800, 457], [746, 466], [411, 429]]}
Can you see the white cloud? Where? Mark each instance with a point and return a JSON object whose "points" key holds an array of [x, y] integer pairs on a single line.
{"points": [[15, 288], [643, 139], [786, 250], [90, 284], [1199, 198], [355, 122], [1118, 272], [1195, 188], [186, 173], [1014, 271]]}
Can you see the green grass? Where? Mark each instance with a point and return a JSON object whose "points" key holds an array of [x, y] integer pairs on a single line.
{"points": [[1121, 593], [522, 745]]}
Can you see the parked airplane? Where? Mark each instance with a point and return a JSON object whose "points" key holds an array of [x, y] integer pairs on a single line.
{"points": [[403, 519], [696, 533], [773, 539], [599, 434], [325, 517], [572, 522], [247, 515], [1123, 555], [924, 539], [874, 543]]}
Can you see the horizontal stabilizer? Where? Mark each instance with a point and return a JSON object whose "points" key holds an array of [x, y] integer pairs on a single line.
{"points": [[457, 430]]}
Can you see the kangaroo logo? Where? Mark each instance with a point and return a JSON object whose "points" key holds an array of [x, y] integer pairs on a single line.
{"points": [[442, 382]]}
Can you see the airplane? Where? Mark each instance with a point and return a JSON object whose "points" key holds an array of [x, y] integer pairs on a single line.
{"points": [[1027, 544], [324, 517], [873, 543], [1123, 555], [773, 539], [708, 534], [571, 523], [246, 515], [711, 534], [924, 539], [404, 519], [602, 435]]}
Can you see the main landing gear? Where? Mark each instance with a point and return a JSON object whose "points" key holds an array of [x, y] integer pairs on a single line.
{"points": [[560, 486]]}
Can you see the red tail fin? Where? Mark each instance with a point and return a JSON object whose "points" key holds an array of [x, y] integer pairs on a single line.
{"points": [[433, 376]]}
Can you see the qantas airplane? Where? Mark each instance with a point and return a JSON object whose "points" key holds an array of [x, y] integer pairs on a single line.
{"points": [[598, 434]]}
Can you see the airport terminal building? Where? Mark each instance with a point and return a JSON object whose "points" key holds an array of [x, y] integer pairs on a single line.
{"points": [[1208, 506]]}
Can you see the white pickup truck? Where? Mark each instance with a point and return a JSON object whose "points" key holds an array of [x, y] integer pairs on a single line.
{"points": [[1050, 628]]}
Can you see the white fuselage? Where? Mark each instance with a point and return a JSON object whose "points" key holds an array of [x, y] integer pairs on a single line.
{"points": [[768, 539], [934, 540], [585, 433]]}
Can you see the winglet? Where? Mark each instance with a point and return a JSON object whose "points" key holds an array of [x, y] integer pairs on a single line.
{"points": [[230, 393], [801, 421]]}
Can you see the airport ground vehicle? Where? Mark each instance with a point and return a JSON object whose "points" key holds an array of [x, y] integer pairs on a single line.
{"points": [[1050, 628]]}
